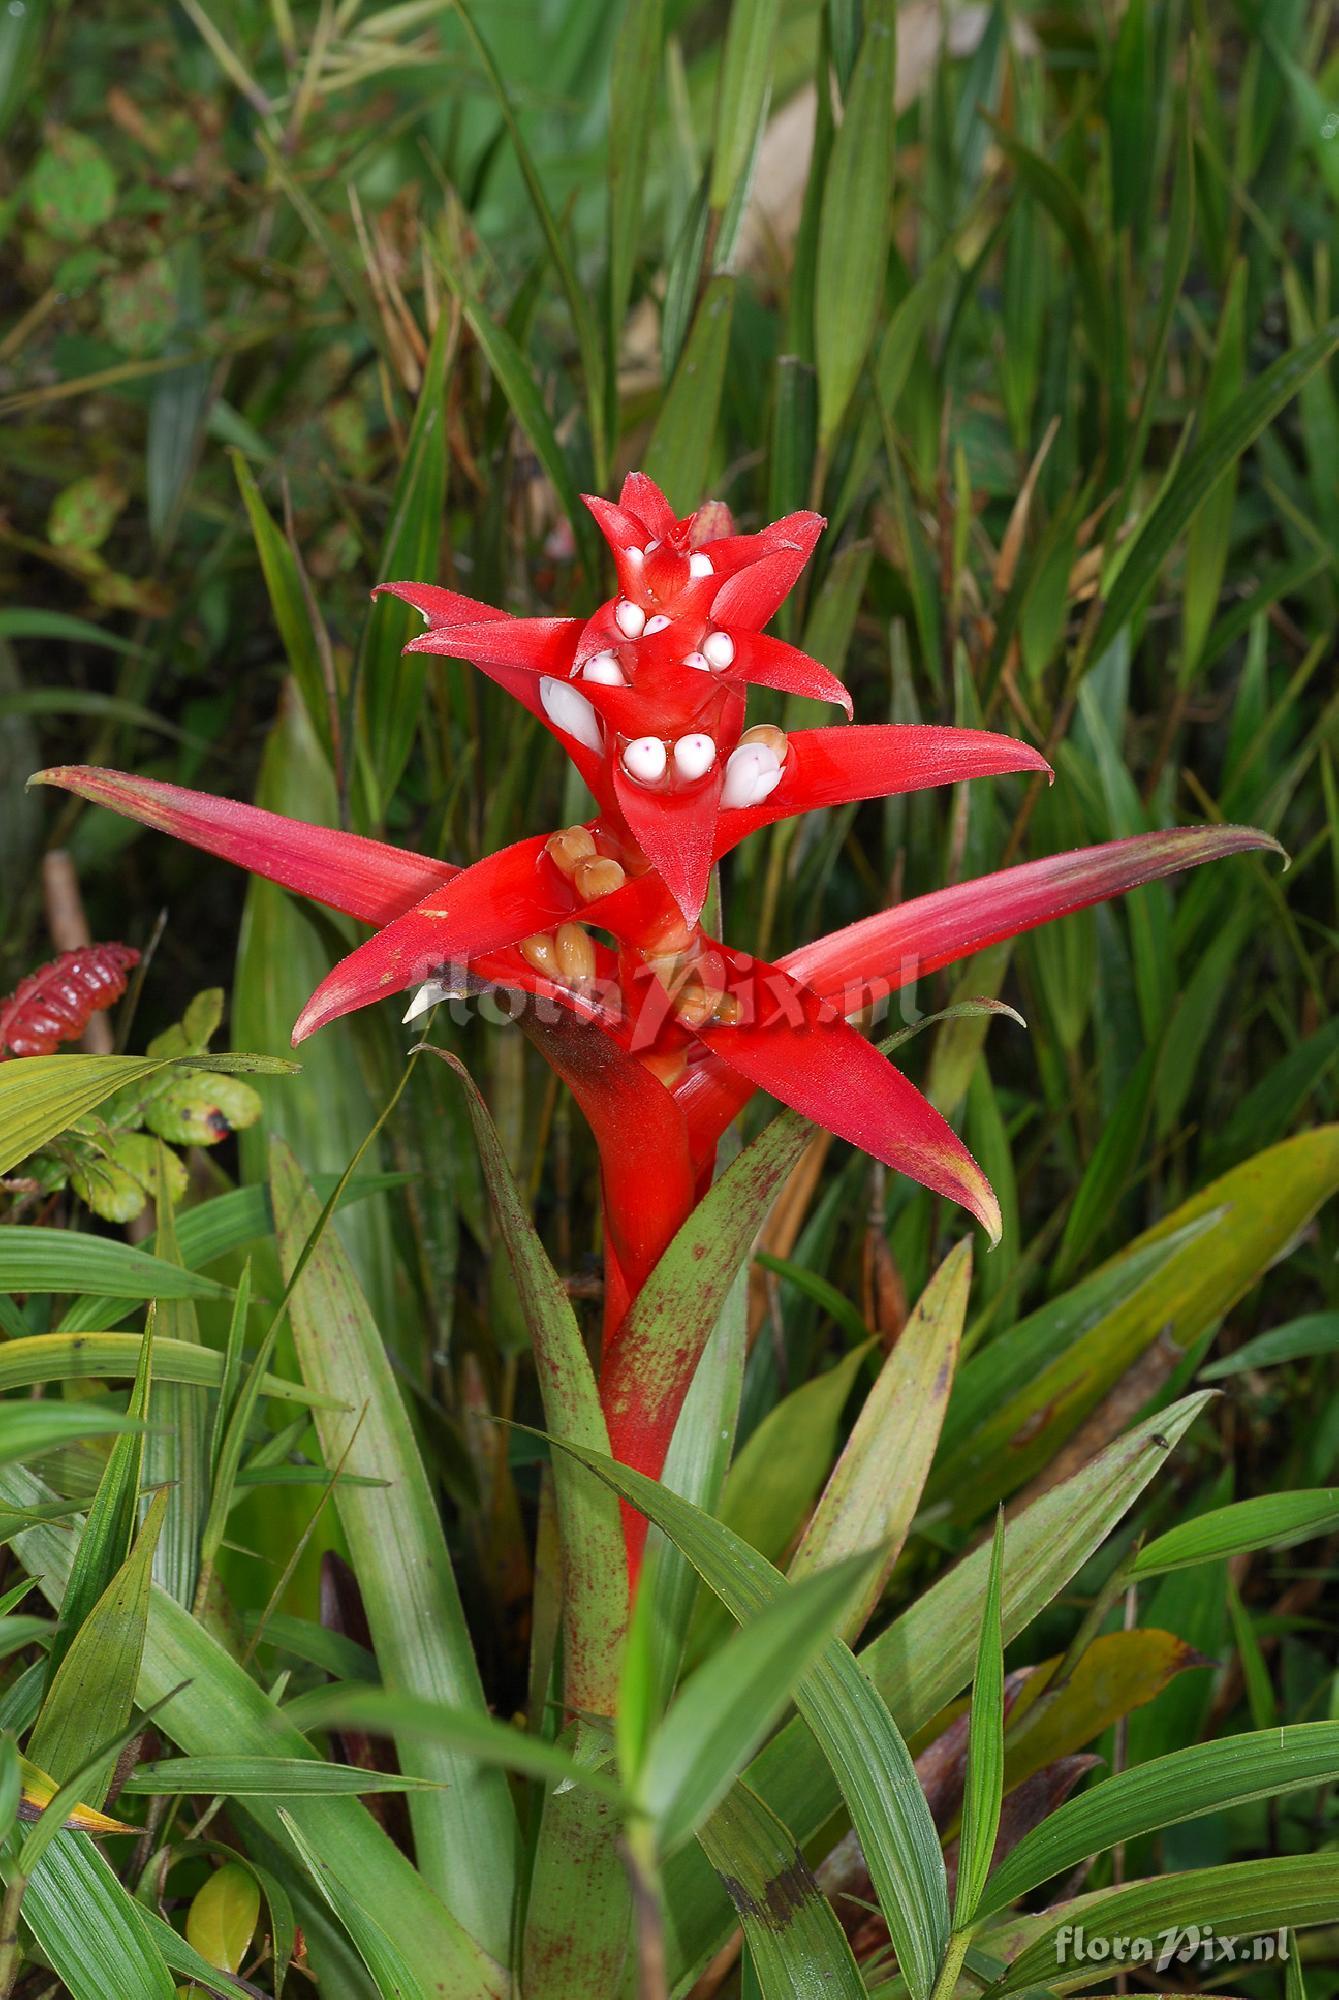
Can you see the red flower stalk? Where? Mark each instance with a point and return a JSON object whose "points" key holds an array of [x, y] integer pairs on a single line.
{"points": [[663, 1033]]}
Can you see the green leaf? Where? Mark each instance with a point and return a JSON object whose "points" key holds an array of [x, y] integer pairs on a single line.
{"points": [[223, 1915], [1298, 1340], [1239, 1900], [466, 1833], [294, 615], [797, 1947], [483, 1738], [93, 1690], [925, 1655], [42, 1096], [1197, 475], [80, 1357], [846, 1715], [726, 1709], [770, 1488], [1205, 1777], [214, 1700], [593, 361], [105, 1544], [594, 1564], [679, 451], [634, 101], [27, 1430], [875, 1488], [853, 235], [36, 1259], [742, 92], [391, 680], [262, 1777], [984, 1792], [97, 1938], [1268, 1521], [1029, 1390]]}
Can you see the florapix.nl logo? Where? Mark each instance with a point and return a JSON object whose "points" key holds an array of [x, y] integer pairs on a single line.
{"points": [[1179, 1944]]}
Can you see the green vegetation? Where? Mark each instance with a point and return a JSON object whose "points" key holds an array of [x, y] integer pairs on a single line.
{"points": [[298, 1540]]}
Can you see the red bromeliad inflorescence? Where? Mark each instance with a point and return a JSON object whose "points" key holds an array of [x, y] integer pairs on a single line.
{"points": [[661, 1031]]}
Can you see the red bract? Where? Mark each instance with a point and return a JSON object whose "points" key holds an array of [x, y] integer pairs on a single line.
{"points": [[56, 1003], [661, 1031]]}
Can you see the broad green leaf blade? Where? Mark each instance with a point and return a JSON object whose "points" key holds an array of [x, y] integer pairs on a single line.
{"points": [[799, 1949], [858, 1736], [876, 1485], [83, 1357], [1268, 1521], [1240, 1900], [925, 1656], [853, 235], [1204, 1777], [42, 1096], [984, 1792], [728, 1707], [223, 1916], [37, 1259], [634, 101], [595, 1593], [465, 1834]]}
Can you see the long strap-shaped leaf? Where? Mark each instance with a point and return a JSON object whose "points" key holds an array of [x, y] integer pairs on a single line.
{"points": [[925, 1656], [847, 1716], [1205, 1777], [1238, 1901], [466, 1833], [595, 1592], [797, 1945]]}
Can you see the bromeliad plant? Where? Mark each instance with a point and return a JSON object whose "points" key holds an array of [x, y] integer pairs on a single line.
{"points": [[661, 1030]]}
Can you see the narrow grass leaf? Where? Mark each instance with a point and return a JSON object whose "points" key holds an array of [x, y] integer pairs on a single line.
{"points": [[1204, 1777], [853, 236], [984, 1791], [679, 451], [1197, 475], [1267, 1521], [82, 1357]]}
